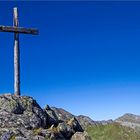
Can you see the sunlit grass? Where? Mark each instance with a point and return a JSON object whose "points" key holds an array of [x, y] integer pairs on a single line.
{"points": [[112, 131]]}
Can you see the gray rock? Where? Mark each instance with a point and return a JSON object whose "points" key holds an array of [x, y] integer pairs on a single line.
{"points": [[20, 138], [75, 125], [85, 121], [80, 136], [52, 117], [62, 114], [20, 111], [35, 121], [38, 138], [57, 136], [21, 118], [66, 130], [7, 135]]}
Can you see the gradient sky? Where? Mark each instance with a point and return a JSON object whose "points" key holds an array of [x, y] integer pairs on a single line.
{"points": [[86, 58]]}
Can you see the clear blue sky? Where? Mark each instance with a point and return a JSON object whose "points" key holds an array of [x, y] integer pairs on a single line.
{"points": [[86, 58]]}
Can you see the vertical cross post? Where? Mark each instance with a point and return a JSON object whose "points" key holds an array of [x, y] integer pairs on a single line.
{"points": [[16, 55], [17, 30]]}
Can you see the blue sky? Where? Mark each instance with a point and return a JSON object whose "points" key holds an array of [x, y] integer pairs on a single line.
{"points": [[86, 58]]}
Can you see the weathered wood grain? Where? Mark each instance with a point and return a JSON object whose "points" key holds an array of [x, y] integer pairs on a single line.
{"points": [[16, 55], [17, 30], [22, 30]]}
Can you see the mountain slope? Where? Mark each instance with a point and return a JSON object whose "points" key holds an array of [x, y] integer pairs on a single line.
{"points": [[129, 120], [21, 118], [112, 131], [105, 130]]}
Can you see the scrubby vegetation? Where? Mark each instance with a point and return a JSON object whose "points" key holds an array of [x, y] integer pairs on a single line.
{"points": [[112, 131]]}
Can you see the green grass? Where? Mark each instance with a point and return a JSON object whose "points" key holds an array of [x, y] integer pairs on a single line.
{"points": [[112, 131]]}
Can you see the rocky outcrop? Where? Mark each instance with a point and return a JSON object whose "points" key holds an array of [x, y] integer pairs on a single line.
{"points": [[80, 136], [21, 111], [85, 121], [52, 116], [21, 118], [62, 114], [65, 122]]}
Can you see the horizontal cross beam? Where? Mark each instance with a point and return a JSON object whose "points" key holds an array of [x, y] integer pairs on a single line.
{"points": [[14, 29]]}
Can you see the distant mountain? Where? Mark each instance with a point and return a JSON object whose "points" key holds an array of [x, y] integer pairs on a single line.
{"points": [[86, 121], [113, 131], [21, 118], [130, 120], [126, 127], [106, 130]]}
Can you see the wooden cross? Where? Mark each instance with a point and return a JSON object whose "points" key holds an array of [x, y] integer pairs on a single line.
{"points": [[16, 30]]}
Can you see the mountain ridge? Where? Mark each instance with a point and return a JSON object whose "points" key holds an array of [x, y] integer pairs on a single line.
{"points": [[21, 118]]}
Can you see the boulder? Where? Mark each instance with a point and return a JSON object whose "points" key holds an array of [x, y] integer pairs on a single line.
{"points": [[75, 125], [17, 111], [62, 114], [66, 130], [52, 117], [80, 136]]}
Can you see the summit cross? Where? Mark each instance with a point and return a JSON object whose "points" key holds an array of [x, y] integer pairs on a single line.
{"points": [[16, 30]]}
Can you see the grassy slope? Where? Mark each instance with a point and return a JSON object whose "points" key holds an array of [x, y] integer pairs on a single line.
{"points": [[112, 131]]}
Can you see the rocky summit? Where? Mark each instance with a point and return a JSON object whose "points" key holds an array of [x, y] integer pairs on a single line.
{"points": [[21, 118]]}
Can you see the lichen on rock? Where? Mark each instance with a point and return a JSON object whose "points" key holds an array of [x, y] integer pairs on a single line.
{"points": [[21, 118]]}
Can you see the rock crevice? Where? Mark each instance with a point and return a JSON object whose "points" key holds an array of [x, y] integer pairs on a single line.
{"points": [[21, 118]]}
